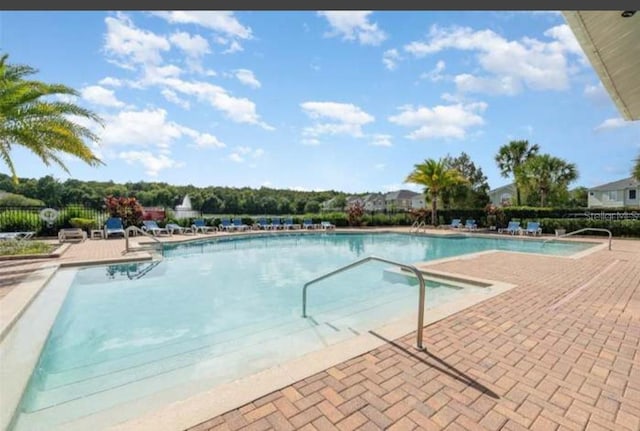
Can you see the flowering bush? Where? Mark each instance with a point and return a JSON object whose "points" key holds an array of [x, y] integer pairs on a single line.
{"points": [[128, 209], [355, 211], [495, 215]]}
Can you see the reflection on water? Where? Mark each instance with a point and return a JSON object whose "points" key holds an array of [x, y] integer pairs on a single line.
{"points": [[132, 271]]}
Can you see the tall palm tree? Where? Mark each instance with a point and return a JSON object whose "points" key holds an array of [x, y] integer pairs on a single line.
{"points": [[545, 173], [636, 169], [30, 118], [435, 176], [511, 156]]}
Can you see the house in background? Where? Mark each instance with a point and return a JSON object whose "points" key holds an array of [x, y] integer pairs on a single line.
{"points": [[400, 200], [622, 193], [418, 201], [503, 196]]}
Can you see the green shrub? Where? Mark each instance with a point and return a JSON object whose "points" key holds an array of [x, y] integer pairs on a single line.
{"points": [[17, 221], [14, 200], [628, 228], [14, 248], [85, 224]]}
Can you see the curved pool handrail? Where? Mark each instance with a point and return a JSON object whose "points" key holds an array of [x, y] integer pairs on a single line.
{"points": [[418, 274], [596, 229]]}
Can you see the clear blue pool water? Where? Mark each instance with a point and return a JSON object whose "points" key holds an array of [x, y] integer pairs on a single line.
{"points": [[216, 310]]}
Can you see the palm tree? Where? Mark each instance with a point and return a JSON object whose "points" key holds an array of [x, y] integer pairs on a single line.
{"points": [[636, 169], [28, 117], [511, 156], [545, 173], [435, 176]]}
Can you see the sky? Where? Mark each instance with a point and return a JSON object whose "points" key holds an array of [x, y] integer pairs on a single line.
{"points": [[307, 100]]}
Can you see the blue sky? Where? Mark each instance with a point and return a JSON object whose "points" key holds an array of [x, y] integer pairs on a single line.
{"points": [[320, 100]]}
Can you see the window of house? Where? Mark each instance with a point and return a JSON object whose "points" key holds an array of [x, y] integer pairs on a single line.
{"points": [[632, 195], [611, 195]]}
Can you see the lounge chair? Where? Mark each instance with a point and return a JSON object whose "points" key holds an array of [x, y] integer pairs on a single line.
{"points": [[470, 224], [533, 227], [200, 225], [307, 224], [262, 223], [288, 223], [455, 224], [176, 228], [327, 225], [152, 226], [238, 225], [113, 226], [513, 228], [72, 234], [17, 236], [225, 224], [275, 223]]}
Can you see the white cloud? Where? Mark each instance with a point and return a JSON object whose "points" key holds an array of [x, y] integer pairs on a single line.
{"points": [[510, 64], [193, 46], [612, 123], [110, 82], [140, 128], [206, 140], [311, 142], [153, 163], [390, 58], [235, 157], [450, 121], [435, 74], [100, 96], [381, 140], [597, 94], [345, 118], [221, 22], [354, 25], [172, 97], [247, 77], [129, 45], [241, 154]]}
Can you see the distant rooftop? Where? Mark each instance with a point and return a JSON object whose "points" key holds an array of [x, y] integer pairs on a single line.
{"points": [[617, 185]]}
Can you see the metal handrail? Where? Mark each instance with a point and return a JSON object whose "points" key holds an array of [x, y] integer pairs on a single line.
{"points": [[411, 268], [415, 227], [136, 229], [597, 229]]}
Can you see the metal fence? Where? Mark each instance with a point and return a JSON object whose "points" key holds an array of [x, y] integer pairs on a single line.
{"points": [[28, 218]]}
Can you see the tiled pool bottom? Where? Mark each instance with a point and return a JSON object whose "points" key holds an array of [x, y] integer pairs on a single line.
{"points": [[208, 314]]}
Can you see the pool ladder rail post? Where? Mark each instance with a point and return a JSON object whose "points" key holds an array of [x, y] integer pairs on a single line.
{"points": [[421, 297]]}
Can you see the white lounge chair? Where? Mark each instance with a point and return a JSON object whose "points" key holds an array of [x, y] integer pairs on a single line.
{"points": [[325, 225], [18, 236], [176, 228], [72, 234], [152, 226]]}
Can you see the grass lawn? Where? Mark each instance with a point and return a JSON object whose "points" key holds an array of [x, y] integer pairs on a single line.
{"points": [[17, 248]]}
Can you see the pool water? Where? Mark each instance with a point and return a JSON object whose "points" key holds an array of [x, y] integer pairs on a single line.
{"points": [[216, 310]]}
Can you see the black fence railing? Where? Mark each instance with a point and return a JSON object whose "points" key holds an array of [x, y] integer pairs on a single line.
{"points": [[28, 218]]}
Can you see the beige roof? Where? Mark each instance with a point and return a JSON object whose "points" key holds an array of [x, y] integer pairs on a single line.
{"points": [[612, 44]]}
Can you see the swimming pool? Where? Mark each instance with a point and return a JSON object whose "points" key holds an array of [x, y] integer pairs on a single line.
{"points": [[215, 310]]}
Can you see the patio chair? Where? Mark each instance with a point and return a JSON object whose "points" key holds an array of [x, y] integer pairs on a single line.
{"points": [[113, 226], [275, 223], [262, 223], [307, 224], [238, 225], [200, 225], [174, 227], [17, 236], [455, 223], [325, 225], [71, 234], [470, 224], [513, 228], [152, 226], [225, 224], [533, 228], [288, 223]]}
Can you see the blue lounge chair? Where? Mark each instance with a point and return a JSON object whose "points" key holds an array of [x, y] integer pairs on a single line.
{"points": [[275, 223], [455, 223], [288, 223], [262, 223], [470, 224], [307, 224], [200, 225], [327, 225], [152, 226], [113, 226], [533, 227], [225, 224], [238, 225], [513, 228]]}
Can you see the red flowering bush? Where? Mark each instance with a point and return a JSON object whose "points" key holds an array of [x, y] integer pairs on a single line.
{"points": [[355, 212], [128, 209]]}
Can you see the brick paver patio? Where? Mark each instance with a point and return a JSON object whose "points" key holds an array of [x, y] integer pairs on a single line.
{"points": [[558, 352]]}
